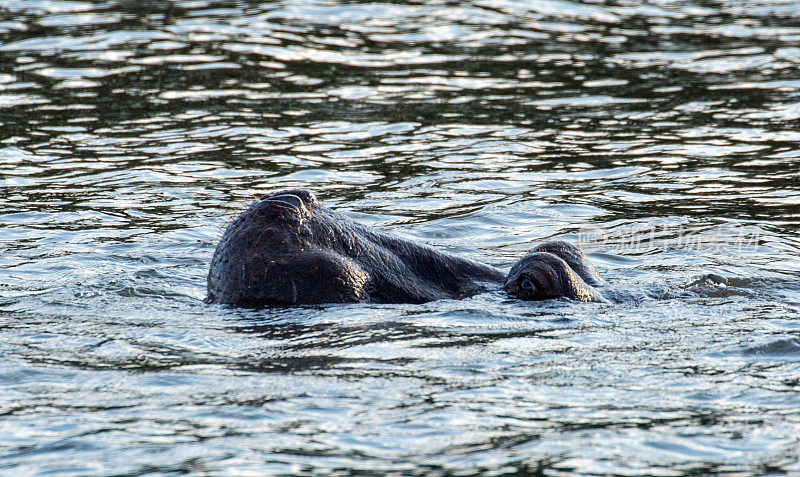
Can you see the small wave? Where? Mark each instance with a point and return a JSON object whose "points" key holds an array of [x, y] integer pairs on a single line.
{"points": [[779, 349]]}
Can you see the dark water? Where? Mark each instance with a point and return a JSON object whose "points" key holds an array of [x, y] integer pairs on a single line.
{"points": [[663, 136]]}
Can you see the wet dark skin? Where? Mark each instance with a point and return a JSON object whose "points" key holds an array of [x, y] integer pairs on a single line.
{"points": [[287, 249]]}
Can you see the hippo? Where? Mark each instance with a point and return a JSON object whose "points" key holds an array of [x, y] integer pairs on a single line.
{"points": [[288, 249]]}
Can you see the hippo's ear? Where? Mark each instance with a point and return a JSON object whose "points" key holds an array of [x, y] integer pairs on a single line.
{"points": [[305, 196]]}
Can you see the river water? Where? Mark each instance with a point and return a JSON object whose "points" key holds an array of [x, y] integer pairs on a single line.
{"points": [[663, 137]]}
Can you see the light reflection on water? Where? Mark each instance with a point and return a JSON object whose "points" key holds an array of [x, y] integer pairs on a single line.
{"points": [[661, 136]]}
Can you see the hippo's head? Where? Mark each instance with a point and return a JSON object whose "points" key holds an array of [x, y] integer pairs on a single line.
{"points": [[276, 253], [543, 275]]}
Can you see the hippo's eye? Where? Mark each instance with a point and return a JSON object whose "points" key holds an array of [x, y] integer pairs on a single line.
{"points": [[527, 289]]}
